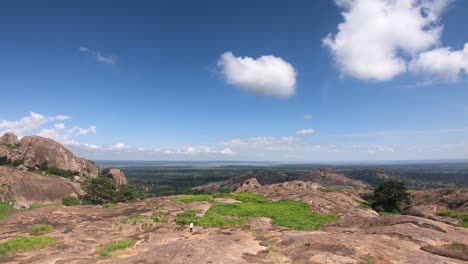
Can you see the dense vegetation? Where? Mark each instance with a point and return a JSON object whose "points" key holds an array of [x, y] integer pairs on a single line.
{"points": [[287, 213], [102, 190], [168, 179]]}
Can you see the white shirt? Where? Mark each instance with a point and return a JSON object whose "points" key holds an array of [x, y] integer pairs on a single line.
{"points": [[191, 225]]}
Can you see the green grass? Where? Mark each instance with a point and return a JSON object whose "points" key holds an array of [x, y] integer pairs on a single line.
{"points": [[193, 198], [159, 217], [248, 197], [20, 244], [109, 205], [35, 206], [286, 213], [5, 208], [463, 217], [41, 229], [107, 249], [134, 219], [329, 189]]}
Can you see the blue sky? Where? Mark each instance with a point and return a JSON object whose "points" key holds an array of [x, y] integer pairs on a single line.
{"points": [[291, 81]]}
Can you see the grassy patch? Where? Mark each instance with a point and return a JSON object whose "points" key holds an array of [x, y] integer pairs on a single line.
{"points": [[109, 205], [20, 244], [329, 189], [248, 197], [159, 217], [70, 201], [366, 260], [463, 218], [136, 219], [107, 249], [454, 250], [287, 213], [5, 208], [193, 198], [41, 229], [35, 206]]}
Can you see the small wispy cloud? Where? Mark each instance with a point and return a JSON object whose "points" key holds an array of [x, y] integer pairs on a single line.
{"points": [[98, 56], [307, 131], [307, 117]]}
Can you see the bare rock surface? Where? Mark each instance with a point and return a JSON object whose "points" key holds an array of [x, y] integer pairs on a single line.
{"points": [[4, 155], [428, 203], [9, 139], [355, 236], [28, 188], [117, 176], [34, 150]]}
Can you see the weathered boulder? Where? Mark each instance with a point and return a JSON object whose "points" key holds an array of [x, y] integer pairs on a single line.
{"points": [[117, 176], [28, 188], [9, 139], [35, 150], [4, 155]]}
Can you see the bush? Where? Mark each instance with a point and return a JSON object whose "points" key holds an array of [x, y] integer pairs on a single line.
{"points": [[44, 165], [16, 163], [107, 249], [102, 190], [20, 244], [389, 196], [69, 201], [41, 229], [5, 208], [60, 172]]}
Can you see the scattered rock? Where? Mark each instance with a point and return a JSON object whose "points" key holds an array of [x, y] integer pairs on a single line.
{"points": [[9, 139]]}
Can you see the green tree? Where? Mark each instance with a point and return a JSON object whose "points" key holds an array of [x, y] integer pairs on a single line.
{"points": [[100, 190], [389, 196], [125, 193]]}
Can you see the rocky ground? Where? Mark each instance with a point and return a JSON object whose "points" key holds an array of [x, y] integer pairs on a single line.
{"points": [[360, 234]]}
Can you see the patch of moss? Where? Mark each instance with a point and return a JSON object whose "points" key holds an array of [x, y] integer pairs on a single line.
{"points": [[21, 244], [41, 229]]}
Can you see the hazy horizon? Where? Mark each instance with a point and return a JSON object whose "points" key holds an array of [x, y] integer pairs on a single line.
{"points": [[288, 81]]}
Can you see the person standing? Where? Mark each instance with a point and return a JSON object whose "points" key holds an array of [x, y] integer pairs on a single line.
{"points": [[191, 227]]}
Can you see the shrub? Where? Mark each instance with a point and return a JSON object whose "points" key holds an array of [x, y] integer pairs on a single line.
{"points": [[158, 216], [107, 249], [125, 193], [389, 196], [16, 163], [44, 165], [41, 229], [102, 190], [69, 201], [20, 244], [60, 172], [5, 208]]}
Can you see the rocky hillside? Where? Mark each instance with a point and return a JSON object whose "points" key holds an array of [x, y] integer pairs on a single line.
{"points": [[324, 177], [358, 235], [40, 170]]}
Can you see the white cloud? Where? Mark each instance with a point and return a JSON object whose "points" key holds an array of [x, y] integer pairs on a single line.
{"points": [[375, 36], [59, 126], [98, 56], [259, 141], [266, 75], [441, 65], [91, 129], [307, 117], [307, 131], [120, 146], [28, 123]]}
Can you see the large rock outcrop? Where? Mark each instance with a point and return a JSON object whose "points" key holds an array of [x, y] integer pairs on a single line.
{"points": [[26, 188], [328, 177], [9, 139], [117, 176], [35, 150], [4, 155]]}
